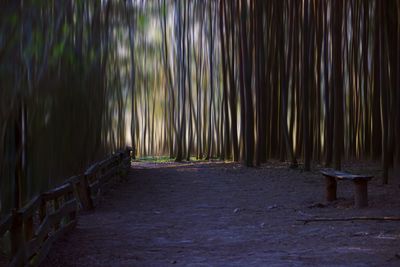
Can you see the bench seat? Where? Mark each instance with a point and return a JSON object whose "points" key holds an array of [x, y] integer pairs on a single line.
{"points": [[360, 185]]}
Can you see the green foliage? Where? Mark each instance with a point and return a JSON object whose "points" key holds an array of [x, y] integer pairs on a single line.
{"points": [[58, 50], [164, 9], [37, 44], [160, 159], [12, 19], [142, 21], [71, 109], [165, 159]]}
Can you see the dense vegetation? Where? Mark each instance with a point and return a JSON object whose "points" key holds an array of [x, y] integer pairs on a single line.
{"points": [[61, 99], [236, 80], [253, 80]]}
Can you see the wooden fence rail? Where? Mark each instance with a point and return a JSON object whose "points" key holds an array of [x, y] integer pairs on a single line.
{"points": [[34, 228]]}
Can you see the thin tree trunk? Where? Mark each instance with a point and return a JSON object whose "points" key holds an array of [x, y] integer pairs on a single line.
{"points": [[338, 82]]}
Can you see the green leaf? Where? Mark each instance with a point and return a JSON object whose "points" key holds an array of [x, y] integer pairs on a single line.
{"points": [[164, 9], [57, 52], [13, 19], [65, 30], [142, 21]]}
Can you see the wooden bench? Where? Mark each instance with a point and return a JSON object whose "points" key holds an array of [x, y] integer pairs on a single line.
{"points": [[360, 185]]}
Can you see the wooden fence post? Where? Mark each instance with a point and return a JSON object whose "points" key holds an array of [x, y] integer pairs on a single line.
{"points": [[127, 154], [17, 239], [28, 228], [56, 203], [72, 216], [84, 193], [42, 210], [121, 170]]}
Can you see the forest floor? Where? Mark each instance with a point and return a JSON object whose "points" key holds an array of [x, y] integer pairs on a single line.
{"points": [[223, 214]]}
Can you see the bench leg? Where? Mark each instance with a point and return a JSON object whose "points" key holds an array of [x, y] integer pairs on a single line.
{"points": [[330, 188], [361, 194]]}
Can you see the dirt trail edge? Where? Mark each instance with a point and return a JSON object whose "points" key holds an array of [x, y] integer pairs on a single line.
{"points": [[218, 214]]}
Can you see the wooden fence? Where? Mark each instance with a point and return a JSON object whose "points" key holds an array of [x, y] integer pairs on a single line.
{"points": [[33, 229]]}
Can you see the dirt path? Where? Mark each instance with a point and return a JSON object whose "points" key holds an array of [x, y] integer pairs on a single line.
{"points": [[215, 214]]}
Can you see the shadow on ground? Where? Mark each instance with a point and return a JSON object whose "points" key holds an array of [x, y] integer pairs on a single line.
{"points": [[223, 214]]}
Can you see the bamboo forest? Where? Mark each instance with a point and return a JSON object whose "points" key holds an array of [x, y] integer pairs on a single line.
{"points": [[199, 132]]}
